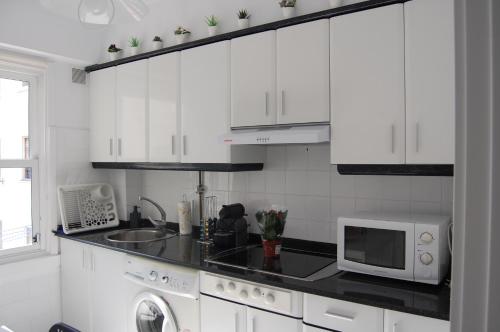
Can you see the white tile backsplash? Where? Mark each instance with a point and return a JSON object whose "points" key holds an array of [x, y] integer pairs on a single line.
{"points": [[301, 178]]}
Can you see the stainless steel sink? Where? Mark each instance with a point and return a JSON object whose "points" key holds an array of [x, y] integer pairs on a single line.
{"points": [[139, 235]]}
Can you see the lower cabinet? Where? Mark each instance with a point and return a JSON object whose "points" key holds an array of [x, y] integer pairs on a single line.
{"points": [[401, 322], [92, 288]]}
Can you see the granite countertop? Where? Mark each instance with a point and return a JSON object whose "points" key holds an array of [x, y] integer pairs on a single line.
{"points": [[414, 298]]}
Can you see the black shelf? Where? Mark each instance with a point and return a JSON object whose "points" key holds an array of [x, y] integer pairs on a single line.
{"points": [[325, 14], [182, 166], [415, 170]]}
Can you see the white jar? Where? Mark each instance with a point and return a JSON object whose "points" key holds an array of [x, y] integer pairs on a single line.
{"points": [[181, 38], [184, 214], [113, 56], [336, 3], [157, 45], [243, 23], [212, 30], [288, 12], [133, 50]]}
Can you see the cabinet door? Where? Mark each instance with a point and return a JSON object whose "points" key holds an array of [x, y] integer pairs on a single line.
{"points": [[102, 109], [108, 302], [303, 73], [205, 103], [164, 95], [253, 80], [264, 321], [222, 316], [401, 322], [430, 88], [307, 328], [367, 77], [75, 291], [131, 86]]}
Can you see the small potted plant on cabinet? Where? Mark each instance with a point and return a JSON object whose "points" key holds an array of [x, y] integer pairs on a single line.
{"points": [[272, 224], [336, 3], [133, 44], [213, 24], [157, 43], [243, 19], [113, 52], [288, 7], [181, 35]]}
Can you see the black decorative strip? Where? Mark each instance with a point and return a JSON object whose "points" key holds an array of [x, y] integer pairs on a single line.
{"points": [[182, 167], [417, 170], [325, 14]]}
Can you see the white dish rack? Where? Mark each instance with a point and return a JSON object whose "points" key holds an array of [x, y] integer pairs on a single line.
{"points": [[87, 207]]}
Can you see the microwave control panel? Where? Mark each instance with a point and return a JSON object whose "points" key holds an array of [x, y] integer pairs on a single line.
{"points": [[431, 252]]}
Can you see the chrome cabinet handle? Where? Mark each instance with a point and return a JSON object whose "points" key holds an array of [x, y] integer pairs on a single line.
{"points": [[173, 144], [282, 102], [394, 327], [83, 259], [184, 141], [417, 137], [119, 146], [393, 136], [236, 329], [338, 316], [252, 324], [110, 146], [267, 102]]}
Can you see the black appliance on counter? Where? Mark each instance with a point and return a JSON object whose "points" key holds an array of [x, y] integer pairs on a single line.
{"points": [[231, 229]]}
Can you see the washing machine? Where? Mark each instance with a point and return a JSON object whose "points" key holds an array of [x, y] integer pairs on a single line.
{"points": [[161, 297]]}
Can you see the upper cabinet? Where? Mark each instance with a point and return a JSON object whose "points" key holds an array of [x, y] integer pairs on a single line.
{"points": [[164, 108], [430, 77], [253, 80], [131, 92], [303, 73], [367, 82]]}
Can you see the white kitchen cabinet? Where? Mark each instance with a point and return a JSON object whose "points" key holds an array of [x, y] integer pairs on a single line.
{"points": [[102, 105], [367, 87], [308, 328], [430, 88], [131, 92], [164, 108], [253, 80], [303, 73], [221, 316], [401, 322], [92, 288], [264, 321]]}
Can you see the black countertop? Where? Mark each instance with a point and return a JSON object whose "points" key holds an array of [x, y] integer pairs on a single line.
{"points": [[419, 299]]}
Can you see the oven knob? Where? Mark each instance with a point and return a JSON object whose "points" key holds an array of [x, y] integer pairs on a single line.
{"points": [[256, 293], [270, 298], [164, 279], [153, 275], [243, 294], [426, 237], [426, 258], [219, 288], [231, 286]]}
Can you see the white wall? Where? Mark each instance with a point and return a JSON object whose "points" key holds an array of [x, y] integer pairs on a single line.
{"points": [[301, 178]]}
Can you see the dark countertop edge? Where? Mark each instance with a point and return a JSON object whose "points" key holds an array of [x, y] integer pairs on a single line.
{"points": [[397, 169], [291, 285], [324, 14], [222, 167]]}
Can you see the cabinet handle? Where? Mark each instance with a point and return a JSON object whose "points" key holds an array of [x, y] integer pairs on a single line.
{"points": [[83, 259], [92, 262], [394, 327], [119, 146], [251, 328], [267, 102], [173, 144], [417, 137], [236, 327], [393, 137], [184, 148], [282, 102], [110, 146], [337, 316]]}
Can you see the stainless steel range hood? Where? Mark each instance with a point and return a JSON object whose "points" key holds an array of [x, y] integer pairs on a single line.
{"points": [[278, 135]]}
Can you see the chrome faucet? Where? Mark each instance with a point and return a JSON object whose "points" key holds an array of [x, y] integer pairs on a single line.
{"points": [[157, 223]]}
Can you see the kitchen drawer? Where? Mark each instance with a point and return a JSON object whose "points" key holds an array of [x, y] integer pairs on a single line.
{"points": [[342, 316], [307, 328]]}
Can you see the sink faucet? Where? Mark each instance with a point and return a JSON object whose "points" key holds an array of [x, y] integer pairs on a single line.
{"points": [[163, 221]]}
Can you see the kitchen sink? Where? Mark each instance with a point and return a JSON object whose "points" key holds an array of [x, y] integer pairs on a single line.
{"points": [[140, 235]]}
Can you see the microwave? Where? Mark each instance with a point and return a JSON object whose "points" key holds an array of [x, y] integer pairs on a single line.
{"points": [[403, 247]]}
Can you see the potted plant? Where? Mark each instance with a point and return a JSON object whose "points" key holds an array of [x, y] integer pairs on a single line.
{"points": [[157, 43], [243, 19], [133, 44], [212, 23], [288, 7], [181, 35], [272, 224], [113, 52], [336, 3]]}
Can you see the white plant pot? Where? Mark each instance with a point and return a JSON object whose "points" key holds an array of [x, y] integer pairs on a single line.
{"points": [[157, 45], [243, 23], [212, 31], [288, 12], [336, 3], [179, 39], [133, 51], [113, 56]]}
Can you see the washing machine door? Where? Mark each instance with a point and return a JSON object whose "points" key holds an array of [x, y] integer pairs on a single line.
{"points": [[153, 314]]}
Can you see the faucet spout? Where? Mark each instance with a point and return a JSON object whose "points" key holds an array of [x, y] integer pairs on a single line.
{"points": [[163, 214]]}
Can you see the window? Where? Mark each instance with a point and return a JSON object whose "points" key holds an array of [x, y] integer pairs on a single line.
{"points": [[19, 202]]}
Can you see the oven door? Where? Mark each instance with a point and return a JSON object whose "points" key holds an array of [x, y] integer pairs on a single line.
{"points": [[377, 247], [153, 314]]}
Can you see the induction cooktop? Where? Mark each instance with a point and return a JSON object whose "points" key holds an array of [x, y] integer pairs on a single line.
{"points": [[291, 263]]}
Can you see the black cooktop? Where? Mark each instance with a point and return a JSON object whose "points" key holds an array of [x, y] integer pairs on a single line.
{"points": [[292, 263]]}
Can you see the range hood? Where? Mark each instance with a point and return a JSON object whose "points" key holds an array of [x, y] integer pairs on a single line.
{"points": [[278, 135]]}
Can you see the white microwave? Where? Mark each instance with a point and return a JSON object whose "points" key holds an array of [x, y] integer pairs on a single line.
{"points": [[411, 248]]}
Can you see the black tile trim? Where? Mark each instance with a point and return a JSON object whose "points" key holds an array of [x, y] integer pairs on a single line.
{"points": [[416, 170], [325, 14], [320, 327], [181, 166]]}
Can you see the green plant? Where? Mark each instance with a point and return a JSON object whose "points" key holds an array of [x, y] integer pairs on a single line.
{"points": [[287, 3], [181, 31], [113, 49], [157, 39], [243, 14], [211, 21], [271, 223], [134, 42]]}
